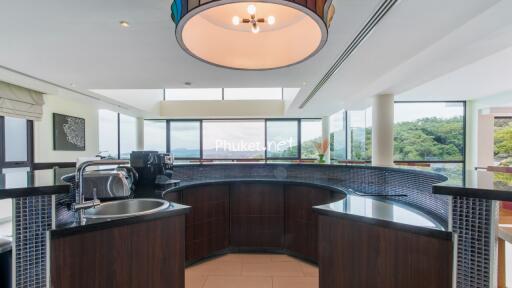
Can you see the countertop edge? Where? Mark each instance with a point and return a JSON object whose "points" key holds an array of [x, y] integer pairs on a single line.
{"points": [[72, 230], [425, 231], [471, 192], [34, 191]]}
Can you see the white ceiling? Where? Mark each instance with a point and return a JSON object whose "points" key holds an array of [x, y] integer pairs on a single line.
{"points": [[81, 42]]}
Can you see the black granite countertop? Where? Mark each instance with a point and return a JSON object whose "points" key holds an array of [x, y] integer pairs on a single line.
{"points": [[369, 208], [34, 183], [69, 228], [480, 184]]}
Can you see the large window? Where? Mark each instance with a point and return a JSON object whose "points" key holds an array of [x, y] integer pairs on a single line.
{"points": [[253, 93], [185, 139], [503, 141], [310, 135], [108, 133], [430, 136], [117, 134], [194, 94], [128, 135], [16, 146], [359, 135], [155, 135], [283, 138], [233, 139], [338, 136]]}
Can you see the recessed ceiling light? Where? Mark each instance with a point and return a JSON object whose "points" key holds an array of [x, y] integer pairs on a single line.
{"points": [[125, 24], [72, 85], [188, 84]]}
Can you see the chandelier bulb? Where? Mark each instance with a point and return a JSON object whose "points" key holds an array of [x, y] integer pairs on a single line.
{"points": [[235, 20], [251, 9], [255, 29], [271, 20]]}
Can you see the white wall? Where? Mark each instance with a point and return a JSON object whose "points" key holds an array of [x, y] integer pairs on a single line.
{"points": [[220, 108], [43, 130]]}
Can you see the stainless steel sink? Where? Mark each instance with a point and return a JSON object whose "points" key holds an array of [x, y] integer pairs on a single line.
{"points": [[126, 208]]}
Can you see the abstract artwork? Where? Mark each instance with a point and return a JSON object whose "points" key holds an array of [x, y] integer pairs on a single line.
{"points": [[68, 133]]}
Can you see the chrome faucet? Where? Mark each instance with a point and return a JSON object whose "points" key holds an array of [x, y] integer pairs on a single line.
{"points": [[80, 204]]}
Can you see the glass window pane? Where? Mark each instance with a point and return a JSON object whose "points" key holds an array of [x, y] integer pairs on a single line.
{"points": [[233, 139], [194, 94], [429, 131], [360, 135], [503, 141], [253, 94], [282, 138], [338, 136], [155, 135], [310, 135], [15, 139], [128, 135], [108, 132], [185, 139]]}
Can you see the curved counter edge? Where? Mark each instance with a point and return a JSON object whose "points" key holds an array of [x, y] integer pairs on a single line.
{"points": [[326, 210], [70, 229]]}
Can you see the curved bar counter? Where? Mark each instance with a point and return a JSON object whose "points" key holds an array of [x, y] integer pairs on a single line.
{"points": [[364, 226]]}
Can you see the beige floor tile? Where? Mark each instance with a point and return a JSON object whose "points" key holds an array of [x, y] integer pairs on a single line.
{"points": [[272, 269], [295, 282], [234, 257], [216, 268], [238, 282], [194, 280], [309, 270], [256, 258], [282, 258]]}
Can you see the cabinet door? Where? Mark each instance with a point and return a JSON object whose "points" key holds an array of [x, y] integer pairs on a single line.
{"points": [[173, 197], [207, 225], [301, 223], [257, 215]]}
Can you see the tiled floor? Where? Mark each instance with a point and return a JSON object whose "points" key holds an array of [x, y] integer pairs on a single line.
{"points": [[252, 271]]}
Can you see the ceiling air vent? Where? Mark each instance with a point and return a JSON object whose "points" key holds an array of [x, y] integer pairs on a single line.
{"points": [[365, 31]]}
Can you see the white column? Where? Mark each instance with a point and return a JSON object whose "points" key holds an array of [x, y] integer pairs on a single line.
{"points": [[325, 135], [382, 130]]}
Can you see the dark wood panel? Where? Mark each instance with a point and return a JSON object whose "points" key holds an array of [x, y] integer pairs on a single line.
{"points": [[301, 222], [371, 256], [173, 197], [208, 223], [257, 215], [147, 254]]}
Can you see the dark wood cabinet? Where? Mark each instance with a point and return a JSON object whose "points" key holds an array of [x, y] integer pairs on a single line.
{"points": [[357, 254], [146, 254], [257, 215], [173, 197], [301, 235], [207, 225]]}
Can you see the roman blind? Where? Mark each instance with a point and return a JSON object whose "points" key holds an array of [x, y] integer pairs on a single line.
{"points": [[16, 101]]}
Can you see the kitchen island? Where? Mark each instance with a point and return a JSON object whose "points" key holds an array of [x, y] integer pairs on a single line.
{"points": [[259, 208]]}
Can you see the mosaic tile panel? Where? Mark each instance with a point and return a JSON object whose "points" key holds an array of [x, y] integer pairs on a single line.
{"points": [[474, 222], [33, 217]]}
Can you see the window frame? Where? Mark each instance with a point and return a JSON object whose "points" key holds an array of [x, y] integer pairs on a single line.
{"points": [[30, 147], [263, 160], [118, 121]]}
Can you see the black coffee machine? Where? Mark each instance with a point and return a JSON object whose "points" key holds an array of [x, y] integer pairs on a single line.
{"points": [[154, 168]]}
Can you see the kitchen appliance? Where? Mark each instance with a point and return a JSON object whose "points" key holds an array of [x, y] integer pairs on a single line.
{"points": [[107, 184], [153, 167]]}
